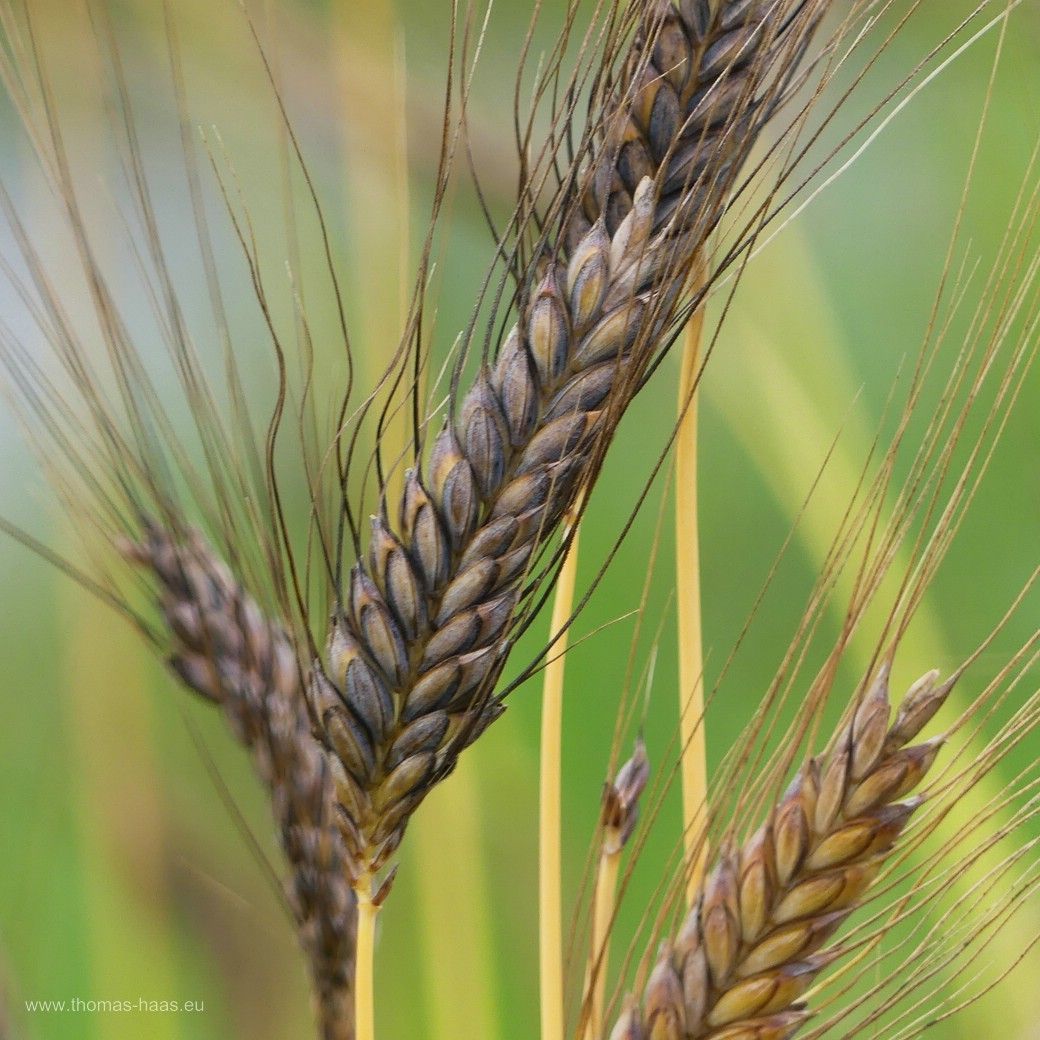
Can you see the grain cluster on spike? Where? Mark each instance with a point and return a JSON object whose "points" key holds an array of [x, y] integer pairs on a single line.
{"points": [[417, 646], [753, 942], [226, 650]]}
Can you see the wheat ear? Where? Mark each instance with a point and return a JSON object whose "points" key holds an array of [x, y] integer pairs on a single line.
{"points": [[750, 947], [226, 650], [424, 629]]}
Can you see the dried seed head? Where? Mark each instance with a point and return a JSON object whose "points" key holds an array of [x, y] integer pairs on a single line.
{"points": [[547, 331], [775, 1027], [483, 434], [516, 384], [630, 240], [621, 799], [227, 649], [402, 584], [423, 531], [720, 919], [430, 608], [758, 883], [792, 838], [587, 276], [750, 948]]}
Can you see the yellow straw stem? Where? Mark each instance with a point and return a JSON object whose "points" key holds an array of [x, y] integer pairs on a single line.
{"points": [[602, 918], [550, 887], [694, 769], [364, 967]]}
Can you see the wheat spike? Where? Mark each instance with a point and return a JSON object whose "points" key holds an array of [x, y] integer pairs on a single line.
{"points": [[418, 644], [226, 650], [752, 944]]}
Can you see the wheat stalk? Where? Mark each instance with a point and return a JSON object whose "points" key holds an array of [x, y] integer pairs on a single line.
{"points": [[692, 62], [693, 755], [550, 809], [417, 645], [689, 75], [424, 625], [750, 947]]}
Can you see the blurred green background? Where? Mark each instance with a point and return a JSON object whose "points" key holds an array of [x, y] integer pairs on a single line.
{"points": [[122, 873]]}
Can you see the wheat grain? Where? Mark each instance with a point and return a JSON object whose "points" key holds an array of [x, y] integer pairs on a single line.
{"points": [[424, 631], [752, 944]]}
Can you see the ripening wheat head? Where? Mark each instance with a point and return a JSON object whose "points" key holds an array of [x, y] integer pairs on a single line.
{"points": [[424, 625], [751, 945]]}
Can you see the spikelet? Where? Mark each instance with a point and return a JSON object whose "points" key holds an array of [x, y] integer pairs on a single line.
{"points": [[416, 648], [226, 650], [621, 797], [753, 943]]}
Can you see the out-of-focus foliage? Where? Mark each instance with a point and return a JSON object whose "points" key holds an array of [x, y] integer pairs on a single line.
{"points": [[123, 874]]}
